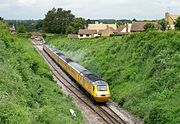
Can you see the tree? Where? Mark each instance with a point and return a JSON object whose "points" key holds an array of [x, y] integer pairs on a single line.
{"points": [[1, 18], [162, 24], [75, 25], [57, 20], [119, 23], [21, 28], [177, 24], [3, 24], [134, 20], [149, 27], [34, 25]]}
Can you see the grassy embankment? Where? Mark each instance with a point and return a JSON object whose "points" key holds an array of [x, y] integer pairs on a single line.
{"points": [[143, 70], [28, 93]]}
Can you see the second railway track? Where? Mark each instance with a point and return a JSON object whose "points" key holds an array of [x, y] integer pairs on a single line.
{"points": [[103, 111]]}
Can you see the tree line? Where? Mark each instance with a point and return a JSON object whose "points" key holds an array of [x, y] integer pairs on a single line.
{"points": [[64, 22]]}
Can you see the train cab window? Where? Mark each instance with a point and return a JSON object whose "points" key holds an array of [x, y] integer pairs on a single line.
{"points": [[101, 88]]}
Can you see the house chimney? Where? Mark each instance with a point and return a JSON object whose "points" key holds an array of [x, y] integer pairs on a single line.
{"points": [[167, 15], [127, 28]]}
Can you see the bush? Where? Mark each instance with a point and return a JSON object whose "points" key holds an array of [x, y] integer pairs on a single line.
{"points": [[21, 28], [28, 93], [177, 24], [149, 27], [13, 114]]}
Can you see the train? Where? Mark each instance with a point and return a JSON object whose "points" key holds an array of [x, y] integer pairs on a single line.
{"points": [[97, 88]]}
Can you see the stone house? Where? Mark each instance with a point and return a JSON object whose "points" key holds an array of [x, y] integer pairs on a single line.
{"points": [[171, 19]]}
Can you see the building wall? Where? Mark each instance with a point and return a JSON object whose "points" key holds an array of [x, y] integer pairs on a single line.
{"points": [[85, 36], [96, 35]]}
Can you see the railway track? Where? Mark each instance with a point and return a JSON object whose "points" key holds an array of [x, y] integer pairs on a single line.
{"points": [[103, 111]]}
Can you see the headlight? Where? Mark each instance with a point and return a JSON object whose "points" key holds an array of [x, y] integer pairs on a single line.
{"points": [[98, 95], [107, 94]]}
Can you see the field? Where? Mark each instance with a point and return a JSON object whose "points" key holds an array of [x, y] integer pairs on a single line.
{"points": [[142, 69], [28, 93]]}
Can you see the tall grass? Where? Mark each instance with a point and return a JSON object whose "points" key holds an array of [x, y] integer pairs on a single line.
{"points": [[142, 69], [28, 93]]}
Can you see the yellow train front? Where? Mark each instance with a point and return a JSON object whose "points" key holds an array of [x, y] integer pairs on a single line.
{"points": [[97, 88]]}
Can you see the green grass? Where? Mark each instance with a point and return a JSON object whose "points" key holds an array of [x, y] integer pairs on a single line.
{"points": [[142, 69], [28, 93]]}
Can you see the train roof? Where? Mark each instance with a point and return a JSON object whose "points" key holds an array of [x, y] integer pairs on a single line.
{"points": [[66, 59], [77, 67], [90, 76], [59, 54]]}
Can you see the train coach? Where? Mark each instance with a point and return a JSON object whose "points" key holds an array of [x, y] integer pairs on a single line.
{"points": [[97, 88]]}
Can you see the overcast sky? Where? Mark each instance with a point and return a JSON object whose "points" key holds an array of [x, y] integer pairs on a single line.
{"points": [[93, 9]]}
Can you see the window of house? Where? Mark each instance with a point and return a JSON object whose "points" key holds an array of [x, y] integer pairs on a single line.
{"points": [[87, 35], [81, 35]]}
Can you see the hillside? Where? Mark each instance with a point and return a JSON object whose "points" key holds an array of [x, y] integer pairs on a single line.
{"points": [[28, 93], [142, 69]]}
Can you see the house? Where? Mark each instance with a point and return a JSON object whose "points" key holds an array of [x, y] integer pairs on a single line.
{"points": [[171, 19], [96, 30], [86, 33]]}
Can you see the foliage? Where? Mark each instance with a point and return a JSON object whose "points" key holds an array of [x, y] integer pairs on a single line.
{"points": [[177, 24], [162, 24], [57, 21], [30, 25], [149, 27], [1, 18], [134, 20], [3, 24], [75, 25], [21, 28], [142, 70], [120, 23], [34, 25], [28, 93]]}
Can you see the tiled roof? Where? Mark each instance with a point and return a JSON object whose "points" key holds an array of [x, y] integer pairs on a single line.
{"points": [[174, 16], [87, 31], [138, 26], [120, 28], [101, 26]]}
